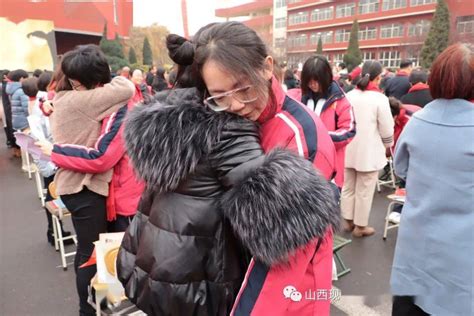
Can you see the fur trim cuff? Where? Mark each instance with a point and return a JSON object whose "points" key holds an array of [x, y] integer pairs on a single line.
{"points": [[281, 206]]}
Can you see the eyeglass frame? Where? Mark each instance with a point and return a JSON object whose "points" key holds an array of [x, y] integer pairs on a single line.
{"points": [[73, 85], [230, 93]]}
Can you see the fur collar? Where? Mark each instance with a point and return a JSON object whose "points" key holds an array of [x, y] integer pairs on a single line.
{"points": [[168, 136]]}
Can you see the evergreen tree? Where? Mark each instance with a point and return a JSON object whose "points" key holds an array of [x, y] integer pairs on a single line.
{"points": [[319, 50], [353, 57], [113, 51], [132, 56], [147, 53], [438, 36]]}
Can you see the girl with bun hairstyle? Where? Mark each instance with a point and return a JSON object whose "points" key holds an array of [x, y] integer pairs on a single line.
{"points": [[365, 155], [219, 192]]}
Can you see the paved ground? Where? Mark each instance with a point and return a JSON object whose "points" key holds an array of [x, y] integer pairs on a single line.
{"points": [[32, 284]]}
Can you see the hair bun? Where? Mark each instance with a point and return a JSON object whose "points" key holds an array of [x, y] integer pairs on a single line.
{"points": [[180, 50]]}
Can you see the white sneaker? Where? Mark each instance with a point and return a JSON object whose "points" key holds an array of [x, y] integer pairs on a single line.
{"points": [[394, 217]]}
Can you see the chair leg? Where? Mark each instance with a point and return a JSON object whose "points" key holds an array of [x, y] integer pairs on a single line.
{"points": [[389, 209], [39, 187], [345, 270], [61, 246], [392, 175], [28, 165], [55, 232]]}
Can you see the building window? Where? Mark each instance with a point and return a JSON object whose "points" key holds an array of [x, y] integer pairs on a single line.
{"points": [[280, 23], [298, 18], [390, 59], [368, 33], [280, 42], [419, 29], [342, 36], [368, 6], [338, 58], [414, 57], [415, 3], [465, 24], [326, 38], [294, 1], [344, 10], [391, 30], [280, 3], [368, 56], [297, 40], [322, 14], [393, 4]]}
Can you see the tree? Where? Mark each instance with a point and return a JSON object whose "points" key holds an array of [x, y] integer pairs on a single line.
{"points": [[156, 35], [147, 53], [353, 57], [113, 50], [132, 56], [438, 36], [319, 50]]}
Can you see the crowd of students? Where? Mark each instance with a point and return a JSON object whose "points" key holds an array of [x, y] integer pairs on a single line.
{"points": [[227, 180]]}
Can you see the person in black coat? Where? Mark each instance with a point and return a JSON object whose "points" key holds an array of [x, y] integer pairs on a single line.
{"points": [[419, 94], [159, 82], [188, 248], [399, 85], [7, 111]]}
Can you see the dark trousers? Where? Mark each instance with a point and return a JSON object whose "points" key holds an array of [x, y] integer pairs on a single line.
{"points": [[120, 224], [405, 306], [89, 219], [7, 110], [46, 182]]}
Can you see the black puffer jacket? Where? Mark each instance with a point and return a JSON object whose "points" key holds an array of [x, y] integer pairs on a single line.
{"points": [[180, 255]]}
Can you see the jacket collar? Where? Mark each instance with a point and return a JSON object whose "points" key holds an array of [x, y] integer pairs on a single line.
{"points": [[275, 101], [335, 93], [12, 86], [372, 87], [419, 86]]}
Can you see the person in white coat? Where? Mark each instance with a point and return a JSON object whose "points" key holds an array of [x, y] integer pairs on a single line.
{"points": [[365, 155]]}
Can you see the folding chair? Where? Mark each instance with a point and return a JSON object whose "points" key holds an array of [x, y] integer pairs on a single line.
{"points": [[339, 243], [391, 181], [395, 200], [39, 185]]}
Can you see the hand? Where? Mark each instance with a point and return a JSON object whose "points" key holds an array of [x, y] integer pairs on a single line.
{"points": [[48, 107], [45, 146]]}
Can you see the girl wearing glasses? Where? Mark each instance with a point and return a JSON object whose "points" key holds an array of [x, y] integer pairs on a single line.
{"points": [[180, 256], [233, 66]]}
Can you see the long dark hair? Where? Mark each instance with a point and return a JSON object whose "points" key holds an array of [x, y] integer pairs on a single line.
{"points": [[370, 70], [236, 47], [316, 68]]}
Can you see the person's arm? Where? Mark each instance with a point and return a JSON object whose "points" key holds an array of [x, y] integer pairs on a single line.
{"points": [[108, 151], [346, 125], [385, 122], [101, 102]]}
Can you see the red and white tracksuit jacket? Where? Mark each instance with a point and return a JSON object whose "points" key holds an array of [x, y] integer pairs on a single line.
{"points": [[286, 123], [109, 152], [338, 117]]}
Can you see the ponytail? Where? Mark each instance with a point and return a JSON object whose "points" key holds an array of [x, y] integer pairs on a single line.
{"points": [[370, 70]]}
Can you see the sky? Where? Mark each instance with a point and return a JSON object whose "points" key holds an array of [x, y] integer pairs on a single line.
{"points": [[168, 13]]}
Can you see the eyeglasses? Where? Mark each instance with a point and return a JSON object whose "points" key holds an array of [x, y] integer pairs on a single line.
{"points": [[223, 101], [74, 85]]}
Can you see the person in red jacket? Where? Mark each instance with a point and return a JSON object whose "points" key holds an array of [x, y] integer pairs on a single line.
{"points": [[233, 70], [109, 152], [325, 97]]}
